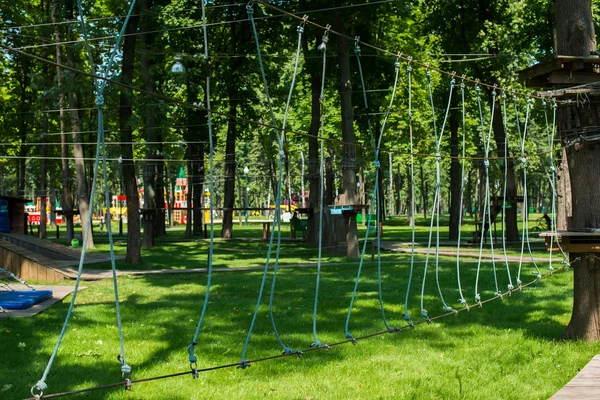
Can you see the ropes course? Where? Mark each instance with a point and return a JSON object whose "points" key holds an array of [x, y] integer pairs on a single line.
{"points": [[280, 130]]}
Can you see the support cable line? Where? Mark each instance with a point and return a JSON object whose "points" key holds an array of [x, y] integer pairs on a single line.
{"points": [[247, 363]]}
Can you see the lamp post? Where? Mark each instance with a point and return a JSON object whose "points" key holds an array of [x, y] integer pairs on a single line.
{"points": [[246, 171], [120, 160]]}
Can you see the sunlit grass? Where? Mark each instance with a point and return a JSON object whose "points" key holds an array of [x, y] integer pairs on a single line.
{"points": [[507, 349]]}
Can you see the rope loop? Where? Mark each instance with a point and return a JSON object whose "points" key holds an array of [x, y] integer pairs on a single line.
{"points": [[554, 106], [494, 88], [250, 9], [39, 386], [356, 46], [301, 26], [281, 154], [478, 298], [376, 164], [448, 309], [523, 160], [499, 294], [486, 163], [125, 370], [477, 88], [408, 64], [428, 74], [511, 288], [190, 350], [452, 80], [324, 39]]}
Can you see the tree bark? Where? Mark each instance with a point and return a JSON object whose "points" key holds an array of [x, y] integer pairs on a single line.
{"points": [[348, 197], [575, 36], [78, 156], [134, 254], [147, 65], [67, 203]]}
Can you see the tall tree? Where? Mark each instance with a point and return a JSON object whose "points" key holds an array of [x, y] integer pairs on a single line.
{"points": [[575, 36], [78, 155], [133, 255]]}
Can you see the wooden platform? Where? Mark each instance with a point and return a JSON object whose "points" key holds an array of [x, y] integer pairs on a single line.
{"points": [[577, 241], [585, 385]]}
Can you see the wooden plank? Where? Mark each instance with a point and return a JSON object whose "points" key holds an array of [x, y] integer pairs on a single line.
{"points": [[585, 385], [568, 78], [582, 247]]}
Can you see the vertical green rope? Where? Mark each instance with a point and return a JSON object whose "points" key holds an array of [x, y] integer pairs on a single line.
{"points": [[525, 234], [486, 201], [323, 48], [552, 180], [191, 356], [300, 30], [277, 212], [125, 369], [462, 193], [435, 212], [407, 317], [506, 160], [375, 197]]}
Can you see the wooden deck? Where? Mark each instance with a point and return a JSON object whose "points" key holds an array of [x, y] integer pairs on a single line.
{"points": [[585, 385]]}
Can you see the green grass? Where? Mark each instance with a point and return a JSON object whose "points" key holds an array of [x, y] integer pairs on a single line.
{"points": [[508, 349]]}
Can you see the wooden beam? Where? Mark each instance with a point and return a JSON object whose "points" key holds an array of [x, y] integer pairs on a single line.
{"points": [[569, 78]]}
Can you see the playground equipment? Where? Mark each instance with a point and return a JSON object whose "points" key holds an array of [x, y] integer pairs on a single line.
{"points": [[274, 245]]}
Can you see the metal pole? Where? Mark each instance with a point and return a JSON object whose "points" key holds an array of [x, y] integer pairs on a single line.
{"points": [[247, 189], [303, 197]]}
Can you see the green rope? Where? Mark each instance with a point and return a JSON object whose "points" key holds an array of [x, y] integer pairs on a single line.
{"points": [[506, 160], [552, 180], [374, 198], [407, 317], [323, 48], [486, 201], [277, 213], [41, 385], [191, 356], [435, 212], [462, 193], [300, 30], [525, 234]]}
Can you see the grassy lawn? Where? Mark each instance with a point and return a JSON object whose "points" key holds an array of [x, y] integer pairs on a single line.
{"points": [[508, 349]]}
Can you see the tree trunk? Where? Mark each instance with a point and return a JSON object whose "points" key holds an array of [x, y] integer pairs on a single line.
{"points": [[42, 233], [147, 65], [348, 197], [134, 254], [575, 36], [78, 156], [563, 193], [67, 203], [230, 165]]}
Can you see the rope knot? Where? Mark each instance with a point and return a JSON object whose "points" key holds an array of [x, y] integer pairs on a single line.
{"points": [[99, 100], [376, 164], [41, 385], [523, 160], [486, 163], [126, 369], [552, 168], [438, 157], [300, 29], [511, 288], [281, 154], [408, 69], [478, 299], [449, 309], [249, 9]]}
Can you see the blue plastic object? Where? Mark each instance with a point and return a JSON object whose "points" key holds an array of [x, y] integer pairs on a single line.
{"points": [[24, 299], [4, 218]]}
